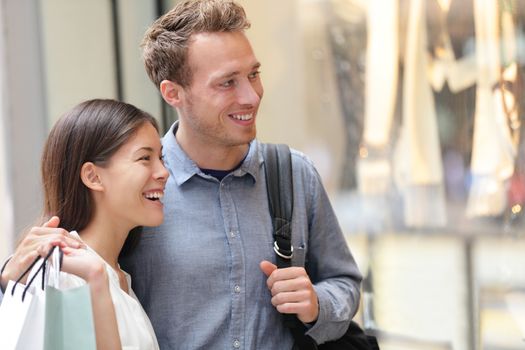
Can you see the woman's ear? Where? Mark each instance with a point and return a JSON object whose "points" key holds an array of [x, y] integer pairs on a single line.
{"points": [[172, 92], [90, 177]]}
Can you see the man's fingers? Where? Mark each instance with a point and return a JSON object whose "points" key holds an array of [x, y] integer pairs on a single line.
{"points": [[296, 284], [292, 308], [292, 291], [291, 297], [267, 267], [288, 273], [303, 303]]}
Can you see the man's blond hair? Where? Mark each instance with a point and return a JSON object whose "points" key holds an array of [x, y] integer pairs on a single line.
{"points": [[165, 43]]}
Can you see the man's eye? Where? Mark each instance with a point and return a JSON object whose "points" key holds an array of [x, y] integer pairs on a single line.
{"points": [[228, 83], [254, 75]]}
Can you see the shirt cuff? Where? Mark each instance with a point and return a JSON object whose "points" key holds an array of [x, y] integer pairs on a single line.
{"points": [[325, 328], [322, 316]]}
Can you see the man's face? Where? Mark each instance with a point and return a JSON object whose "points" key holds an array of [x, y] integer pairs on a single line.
{"points": [[219, 107]]}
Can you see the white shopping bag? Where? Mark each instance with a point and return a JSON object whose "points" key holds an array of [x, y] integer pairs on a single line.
{"points": [[32, 334], [22, 312], [14, 311]]}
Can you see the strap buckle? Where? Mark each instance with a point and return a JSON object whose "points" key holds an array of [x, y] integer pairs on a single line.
{"points": [[285, 254]]}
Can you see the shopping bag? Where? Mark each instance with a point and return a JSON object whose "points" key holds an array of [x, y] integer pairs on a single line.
{"points": [[14, 311], [69, 316], [22, 311], [32, 334], [69, 319]]}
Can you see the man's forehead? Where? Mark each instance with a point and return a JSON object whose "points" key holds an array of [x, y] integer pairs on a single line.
{"points": [[221, 54]]}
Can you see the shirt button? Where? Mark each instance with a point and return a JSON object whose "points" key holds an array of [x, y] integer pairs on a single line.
{"points": [[232, 234], [236, 344], [237, 288]]}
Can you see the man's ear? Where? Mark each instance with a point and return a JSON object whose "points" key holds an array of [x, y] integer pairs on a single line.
{"points": [[90, 177], [172, 92]]}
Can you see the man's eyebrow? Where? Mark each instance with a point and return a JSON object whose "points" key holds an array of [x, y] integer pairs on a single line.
{"points": [[232, 74]]}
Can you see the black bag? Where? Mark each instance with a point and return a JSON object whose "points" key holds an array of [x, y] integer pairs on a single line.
{"points": [[279, 185]]}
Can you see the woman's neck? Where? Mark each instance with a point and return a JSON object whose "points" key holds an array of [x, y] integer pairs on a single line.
{"points": [[107, 240]]}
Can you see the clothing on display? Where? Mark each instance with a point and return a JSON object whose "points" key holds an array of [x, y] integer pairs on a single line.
{"points": [[382, 58], [418, 163], [346, 28], [493, 151], [444, 67]]}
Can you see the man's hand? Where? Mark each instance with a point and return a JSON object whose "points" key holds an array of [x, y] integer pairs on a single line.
{"points": [[292, 291], [39, 238]]}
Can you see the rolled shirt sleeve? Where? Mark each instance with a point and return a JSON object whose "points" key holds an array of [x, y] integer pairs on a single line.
{"points": [[327, 257]]}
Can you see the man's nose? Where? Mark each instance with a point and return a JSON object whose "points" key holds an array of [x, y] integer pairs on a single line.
{"points": [[248, 93]]}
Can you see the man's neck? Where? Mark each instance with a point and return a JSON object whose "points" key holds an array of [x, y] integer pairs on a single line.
{"points": [[208, 156], [221, 174]]}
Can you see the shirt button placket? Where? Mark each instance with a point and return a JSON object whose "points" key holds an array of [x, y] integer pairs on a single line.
{"points": [[232, 233]]}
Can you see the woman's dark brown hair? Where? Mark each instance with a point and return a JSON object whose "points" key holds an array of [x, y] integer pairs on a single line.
{"points": [[90, 132]]}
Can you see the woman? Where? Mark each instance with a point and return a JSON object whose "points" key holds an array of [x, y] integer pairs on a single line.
{"points": [[103, 176]]}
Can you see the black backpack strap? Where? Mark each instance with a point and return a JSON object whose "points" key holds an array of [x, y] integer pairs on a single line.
{"points": [[279, 185]]}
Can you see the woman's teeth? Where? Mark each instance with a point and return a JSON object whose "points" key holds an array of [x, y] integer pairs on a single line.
{"points": [[154, 195]]}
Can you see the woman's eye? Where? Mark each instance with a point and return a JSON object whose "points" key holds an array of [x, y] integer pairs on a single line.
{"points": [[144, 158]]}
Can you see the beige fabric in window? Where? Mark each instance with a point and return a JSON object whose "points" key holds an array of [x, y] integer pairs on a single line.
{"points": [[493, 152], [381, 71], [373, 170], [419, 169]]}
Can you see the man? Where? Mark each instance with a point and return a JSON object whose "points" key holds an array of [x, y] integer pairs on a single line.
{"points": [[206, 277]]}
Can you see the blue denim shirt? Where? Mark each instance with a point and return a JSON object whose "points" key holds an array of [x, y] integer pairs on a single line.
{"points": [[197, 275]]}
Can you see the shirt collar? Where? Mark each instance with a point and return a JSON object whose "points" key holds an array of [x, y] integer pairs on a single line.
{"points": [[177, 159]]}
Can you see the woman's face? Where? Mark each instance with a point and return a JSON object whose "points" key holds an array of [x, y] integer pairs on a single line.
{"points": [[134, 180]]}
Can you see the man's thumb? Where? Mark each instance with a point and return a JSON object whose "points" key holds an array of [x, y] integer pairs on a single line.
{"points": [[267, 267]]}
